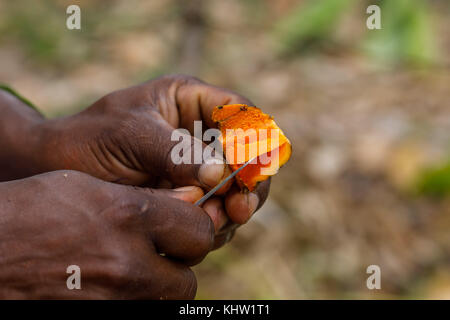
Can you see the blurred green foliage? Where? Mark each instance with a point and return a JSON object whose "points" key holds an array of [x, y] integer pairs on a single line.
{"points": [[310, 25], [435, 181], [39, 28], [24, 23], [46, 43], [406, 36]]}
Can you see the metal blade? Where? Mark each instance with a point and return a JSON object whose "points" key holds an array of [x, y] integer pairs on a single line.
{"points": [[222, 183]]}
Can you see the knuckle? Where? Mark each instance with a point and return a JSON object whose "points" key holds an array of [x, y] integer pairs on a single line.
{"points": [[107, 101], [67, 173], [182, 79], [58, 178], [119, 272], [178, 76], [129, 211], [188, 78], [124, 206], [117, 268], [121, 104], [125, 273]]}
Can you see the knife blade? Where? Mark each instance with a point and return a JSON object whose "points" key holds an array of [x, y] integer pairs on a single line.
{"points": [[222, 183]]}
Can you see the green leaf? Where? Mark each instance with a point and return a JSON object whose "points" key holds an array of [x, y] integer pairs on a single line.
{"points": [[18, 96]]}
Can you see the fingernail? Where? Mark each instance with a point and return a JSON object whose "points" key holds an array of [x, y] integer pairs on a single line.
{"points": [[253, 201], [211, 174], [188, 193], [186, 189], [227, 185]]}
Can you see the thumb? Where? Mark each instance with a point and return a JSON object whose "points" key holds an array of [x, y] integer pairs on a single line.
{"points": [[177, 157]]}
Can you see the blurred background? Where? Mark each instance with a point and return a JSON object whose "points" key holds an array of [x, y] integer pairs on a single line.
{"points": [[367, 112]]}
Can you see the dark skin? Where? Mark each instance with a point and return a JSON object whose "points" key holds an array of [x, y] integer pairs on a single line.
{"points": [[114, 233], [123, 138]]}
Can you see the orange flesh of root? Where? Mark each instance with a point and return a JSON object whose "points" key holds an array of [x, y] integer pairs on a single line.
{"points": [[240, 116]]}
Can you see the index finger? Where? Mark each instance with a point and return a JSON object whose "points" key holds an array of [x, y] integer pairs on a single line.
{"points": [[196, 101], [177, 228]]}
